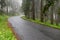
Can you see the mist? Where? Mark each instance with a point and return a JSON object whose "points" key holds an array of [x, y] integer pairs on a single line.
{"points": [[13, 6]]}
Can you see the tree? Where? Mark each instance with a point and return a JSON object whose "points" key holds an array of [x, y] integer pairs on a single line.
{"points": [[3, 4], [26, 8], [49, 4], [42, 17], [58, 16], [52, 15], [33, 10]]}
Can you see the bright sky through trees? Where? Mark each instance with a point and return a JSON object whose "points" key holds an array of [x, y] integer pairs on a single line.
{"points": [[19, 1]]}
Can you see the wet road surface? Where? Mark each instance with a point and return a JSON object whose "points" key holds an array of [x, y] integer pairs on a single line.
{"points": [[29, 30]]}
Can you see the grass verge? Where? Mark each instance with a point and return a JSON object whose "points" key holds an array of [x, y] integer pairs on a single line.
{"points": [[5, 31], [39, 22]]}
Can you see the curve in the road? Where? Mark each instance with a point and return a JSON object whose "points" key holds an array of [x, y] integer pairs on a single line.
{"points": [[31, 31]]}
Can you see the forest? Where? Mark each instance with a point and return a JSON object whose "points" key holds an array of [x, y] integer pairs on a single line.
{"points": [[29, 19], [45, 12]]}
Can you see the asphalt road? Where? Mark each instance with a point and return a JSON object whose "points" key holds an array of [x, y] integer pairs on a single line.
{"points": [[29, 30]]}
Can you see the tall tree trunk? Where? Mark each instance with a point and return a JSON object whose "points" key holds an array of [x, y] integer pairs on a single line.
{"points": [[7, 10], [27, 9], [33, 10], [42, 16], [52, 15], [57, 19]]}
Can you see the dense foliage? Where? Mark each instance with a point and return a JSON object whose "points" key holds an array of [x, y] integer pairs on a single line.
{"points": [[5, 32]]}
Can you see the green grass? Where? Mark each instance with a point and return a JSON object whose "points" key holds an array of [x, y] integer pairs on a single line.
{"points": [[43, 23], [5, 32]]}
